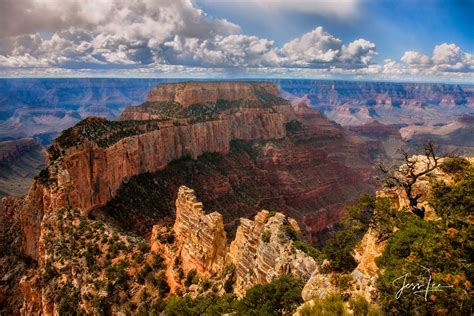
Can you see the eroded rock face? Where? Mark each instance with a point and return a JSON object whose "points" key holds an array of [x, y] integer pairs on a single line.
{"points": [[366, 273], [20, 161], [261, 252], [201, 236], [97, 173], [189, 93], [301, 174], [318, 286]]}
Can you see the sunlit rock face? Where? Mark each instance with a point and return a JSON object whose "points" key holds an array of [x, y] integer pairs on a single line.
{"points": [[201, 236], [304, 165], [189, 93], [261, 251]]}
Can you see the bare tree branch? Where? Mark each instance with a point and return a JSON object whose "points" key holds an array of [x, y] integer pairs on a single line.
{"points": [[406, 176]]}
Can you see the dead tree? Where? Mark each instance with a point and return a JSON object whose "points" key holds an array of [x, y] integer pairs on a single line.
{"points": [[407, 175]]}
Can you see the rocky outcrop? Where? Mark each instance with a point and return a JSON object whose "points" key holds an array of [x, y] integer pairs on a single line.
{"points": [[262, 251], [366, 273], [311, 173], [309, 169], [422, 187], [10, 228], [201, 236], [319, 285], [189, 93]]}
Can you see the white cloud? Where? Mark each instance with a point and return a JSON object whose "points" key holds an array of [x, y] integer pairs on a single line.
{"points": [[415, 58], [175, 37], [446, 58], [320, 49], [312, 48], [221, 51], [359, 51]]}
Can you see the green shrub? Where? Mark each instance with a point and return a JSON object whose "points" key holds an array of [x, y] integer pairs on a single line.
{"points": [[100, 305], [453, 201], [343, 281], [287, 230], [206, 285], [367, 212], [144, 247], [202, 305], [293, 126], [142, 274], [162, 284], [266, 236], [43, 177], [191, 278], [158, 262], [443, 246], [166, 238], [229, 276], [137, 257], [280, 297], [309, 250], [455, 165], [361, 307], [332, 305]]}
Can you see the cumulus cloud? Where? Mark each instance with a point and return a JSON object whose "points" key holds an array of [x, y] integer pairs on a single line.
{"points": [[415, 58], [166, 36], [321, 49], [145, 34], [450, 57], [228, 51], [446, 60], [133, 18]]}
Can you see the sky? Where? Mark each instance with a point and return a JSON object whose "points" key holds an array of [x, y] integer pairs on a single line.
{"points": [[401, 40]]}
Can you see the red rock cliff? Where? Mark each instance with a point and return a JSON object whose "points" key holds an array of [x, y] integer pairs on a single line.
{"points": [[203, 92], [95, 174], [305, 171]]}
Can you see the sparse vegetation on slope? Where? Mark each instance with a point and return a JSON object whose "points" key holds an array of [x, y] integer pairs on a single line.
{"points": [[280, 297], [100, 265], [436, 252], [101, 131]]}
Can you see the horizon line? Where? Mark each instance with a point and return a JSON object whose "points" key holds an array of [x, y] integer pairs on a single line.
{"points": [[246, 79]]}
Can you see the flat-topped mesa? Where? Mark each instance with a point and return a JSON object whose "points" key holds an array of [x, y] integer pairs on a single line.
{"points": [[189, 93], [97, 155], [203, 101]]}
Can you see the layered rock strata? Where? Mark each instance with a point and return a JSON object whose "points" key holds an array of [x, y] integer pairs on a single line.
{"points": [[98, 172], [299, 166], [201, 236], [189, 93], [13, 150], [260, 252]]}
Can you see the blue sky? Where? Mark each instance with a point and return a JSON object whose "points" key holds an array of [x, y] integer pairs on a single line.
{"points": [[429, 40], [395, 26]]}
